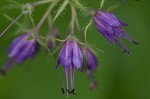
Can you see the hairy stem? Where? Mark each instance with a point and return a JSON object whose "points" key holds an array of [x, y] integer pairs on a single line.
{"points": [[73, 19]]}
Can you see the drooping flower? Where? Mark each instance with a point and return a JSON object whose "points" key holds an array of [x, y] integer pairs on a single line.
{"points": [[20, 49], [70, 57], [111, 28], [91, 59], [91, 64]]}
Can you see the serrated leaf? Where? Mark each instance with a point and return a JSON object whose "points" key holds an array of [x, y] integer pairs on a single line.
{"points": [[65, 3]]}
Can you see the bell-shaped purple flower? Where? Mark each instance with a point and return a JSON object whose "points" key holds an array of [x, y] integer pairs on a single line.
{"points": [[111, 28], [91, 64], [90, 59], [70, 57], [20, 49]]}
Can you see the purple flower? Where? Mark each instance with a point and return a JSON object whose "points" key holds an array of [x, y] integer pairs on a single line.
{"points": [[91, 64], [111, 28], [20, 49], [90, 59], [70, 57]]}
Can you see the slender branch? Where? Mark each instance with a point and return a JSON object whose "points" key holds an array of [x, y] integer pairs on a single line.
{"points": [[41, 2], [59, 40], [17, 23], [86, 28], [17, 18], [32, 21], [46, 15]]}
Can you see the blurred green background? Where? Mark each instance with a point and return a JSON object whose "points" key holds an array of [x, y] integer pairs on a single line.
{"points": [[119, 76]]}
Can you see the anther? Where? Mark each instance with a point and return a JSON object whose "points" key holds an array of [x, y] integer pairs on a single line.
{"points": [[3, 72], [72, 92], [67, 90], [63, 91], [136, 43], [126, 51]]}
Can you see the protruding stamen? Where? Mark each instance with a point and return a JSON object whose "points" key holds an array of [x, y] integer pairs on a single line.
{"points": [[118, 42], [136, 43], [72, 92], [2, 72], [66, 74], [63, 91], [126, 51], [93, 85], [67, 92], [90, 75], [10, 62], [72, 68]]}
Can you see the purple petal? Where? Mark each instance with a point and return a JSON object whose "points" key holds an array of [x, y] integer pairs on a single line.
{"points": [[26, 51], [90, 59], [66, 54], [109, 18], [77, 55], [17, 45], [102, 24], [106, 34]]}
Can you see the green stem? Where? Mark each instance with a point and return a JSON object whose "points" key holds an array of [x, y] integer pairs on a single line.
{"points": [[43, 44], [41, 2], [86, 28], [102, 4], [59, 40], [32, 21]]}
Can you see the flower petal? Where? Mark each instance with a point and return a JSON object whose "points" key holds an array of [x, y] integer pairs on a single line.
{"points": [[77, 55], [65, 54]]}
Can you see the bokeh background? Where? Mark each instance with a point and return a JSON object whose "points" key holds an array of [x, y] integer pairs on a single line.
{"points": [[119, 75]]}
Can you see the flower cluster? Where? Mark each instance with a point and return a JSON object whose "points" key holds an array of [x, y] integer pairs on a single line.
{"points": [[73, 53]]}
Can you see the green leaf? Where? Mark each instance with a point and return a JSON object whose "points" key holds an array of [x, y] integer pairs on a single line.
{"points": [[65, 3]]}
